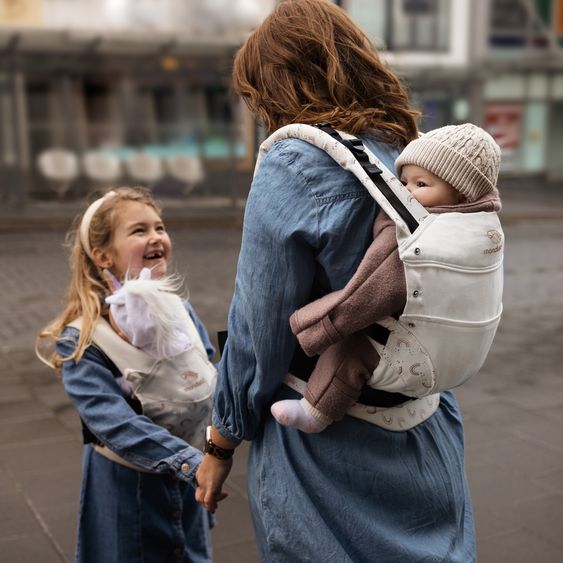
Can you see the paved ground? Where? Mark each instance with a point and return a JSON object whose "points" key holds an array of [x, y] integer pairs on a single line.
{"points": [[513, 409]]}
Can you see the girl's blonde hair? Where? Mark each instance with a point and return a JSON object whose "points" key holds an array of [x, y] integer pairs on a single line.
{"points": [[308, 62], [87, 289]]}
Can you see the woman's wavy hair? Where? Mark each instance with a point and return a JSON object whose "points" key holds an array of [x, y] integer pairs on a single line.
{"points": [[87, 288], [308, 62]]}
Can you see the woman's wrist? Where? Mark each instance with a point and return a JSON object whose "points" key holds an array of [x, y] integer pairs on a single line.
{"points": [[219, 440], [218, 448]]}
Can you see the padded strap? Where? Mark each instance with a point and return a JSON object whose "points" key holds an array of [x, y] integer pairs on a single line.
{"points": [[302, 367], [396, 419], [352, 155], [357, 148], [120, 352]]}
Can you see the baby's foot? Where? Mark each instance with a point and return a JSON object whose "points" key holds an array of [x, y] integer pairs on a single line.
{"points": [[292, 414]]}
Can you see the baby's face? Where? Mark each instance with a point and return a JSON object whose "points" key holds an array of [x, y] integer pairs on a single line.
{"points": [[428, 189]]}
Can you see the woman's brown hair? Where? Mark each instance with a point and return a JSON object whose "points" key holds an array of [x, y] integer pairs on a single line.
{"points": [[87, 288], [308, 62]]}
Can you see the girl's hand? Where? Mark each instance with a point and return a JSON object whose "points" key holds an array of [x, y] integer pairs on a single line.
{"points": [[210, 477]]}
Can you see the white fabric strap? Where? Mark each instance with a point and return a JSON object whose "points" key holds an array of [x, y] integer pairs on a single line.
{"points": [[348, 161], [84, 230], [418, 211], [396, 419], [119, 351]]}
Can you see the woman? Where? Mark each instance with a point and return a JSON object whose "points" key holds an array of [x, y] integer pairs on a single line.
{"points": [[354, 492]]}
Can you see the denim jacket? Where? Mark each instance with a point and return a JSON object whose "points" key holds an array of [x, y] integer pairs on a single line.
{"points": [[361, 489], [307, 225], [101, 404]]}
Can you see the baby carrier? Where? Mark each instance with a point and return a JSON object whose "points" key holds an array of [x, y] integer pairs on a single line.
{"points": [[175, 392], [454, 279]]}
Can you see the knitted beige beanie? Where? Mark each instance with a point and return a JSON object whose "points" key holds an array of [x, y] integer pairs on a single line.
{"points": [[465, 156]]}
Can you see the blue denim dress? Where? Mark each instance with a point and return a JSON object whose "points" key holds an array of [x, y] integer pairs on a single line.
{"points": [[128, 516], [354, 492]]}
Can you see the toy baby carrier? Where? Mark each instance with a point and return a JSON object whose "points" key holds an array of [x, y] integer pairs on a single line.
{"points": [[175, 392], [454, 279]]}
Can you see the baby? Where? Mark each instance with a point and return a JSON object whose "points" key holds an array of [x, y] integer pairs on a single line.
{"points": [[453, 168]]}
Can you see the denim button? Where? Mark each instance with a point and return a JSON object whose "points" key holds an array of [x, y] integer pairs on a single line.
{"points": [[185, 468], [176, 514]]}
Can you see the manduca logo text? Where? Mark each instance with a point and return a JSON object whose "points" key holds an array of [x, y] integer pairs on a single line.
{"points": [[496, 239]]}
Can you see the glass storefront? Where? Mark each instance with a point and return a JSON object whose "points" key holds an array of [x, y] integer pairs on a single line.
{"points": [[521, 112]]}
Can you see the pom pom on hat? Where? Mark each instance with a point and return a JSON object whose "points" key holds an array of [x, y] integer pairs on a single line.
{"points": [[465, 156]]}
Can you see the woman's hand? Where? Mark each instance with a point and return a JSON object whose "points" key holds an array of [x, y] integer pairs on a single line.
{"points": [[210, 478]]}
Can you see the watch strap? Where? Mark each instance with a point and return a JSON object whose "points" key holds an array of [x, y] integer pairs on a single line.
{"points": [[213, 449]]}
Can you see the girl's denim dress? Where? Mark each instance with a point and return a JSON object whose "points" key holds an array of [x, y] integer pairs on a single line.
{"points": [[354, 492], [128, 516]]}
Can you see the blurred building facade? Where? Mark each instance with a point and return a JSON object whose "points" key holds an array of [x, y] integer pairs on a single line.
{"points": [[497, 63], [120, 77], [125, 77]]}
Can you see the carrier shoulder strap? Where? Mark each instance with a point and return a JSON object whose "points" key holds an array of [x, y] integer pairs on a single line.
{"points": [[352, 155], [120, 352]]}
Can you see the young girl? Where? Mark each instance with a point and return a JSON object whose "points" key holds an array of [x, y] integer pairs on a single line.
{"points": [[137, 497]]}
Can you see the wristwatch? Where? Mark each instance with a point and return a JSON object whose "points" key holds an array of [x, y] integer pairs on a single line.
{"points": [[213, 449]]}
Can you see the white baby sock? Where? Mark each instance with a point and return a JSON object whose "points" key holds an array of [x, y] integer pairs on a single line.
{"points": [[300, 415]]}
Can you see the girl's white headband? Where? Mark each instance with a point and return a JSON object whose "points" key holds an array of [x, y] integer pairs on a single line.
{"points": [[84, 230]]}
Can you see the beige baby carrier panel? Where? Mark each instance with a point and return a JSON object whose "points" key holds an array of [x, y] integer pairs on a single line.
{"points": [[453, 269], [175, 392]]}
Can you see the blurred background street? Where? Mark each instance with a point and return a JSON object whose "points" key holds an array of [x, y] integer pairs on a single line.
{"points": [[104, 92], [513, 410]]}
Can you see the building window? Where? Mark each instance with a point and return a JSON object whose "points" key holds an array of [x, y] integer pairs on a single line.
{"points": [[509, 24], [534, 24], [371, 16], [403, 25], [418, 25]]}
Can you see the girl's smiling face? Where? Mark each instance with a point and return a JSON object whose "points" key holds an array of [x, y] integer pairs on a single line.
{"points": [[139, 241]]}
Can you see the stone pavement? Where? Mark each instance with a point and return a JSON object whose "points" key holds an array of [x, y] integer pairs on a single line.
{"points": [[513, 410]]}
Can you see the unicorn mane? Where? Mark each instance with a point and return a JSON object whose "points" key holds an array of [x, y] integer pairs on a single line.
{"points": [[166, 309]]}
